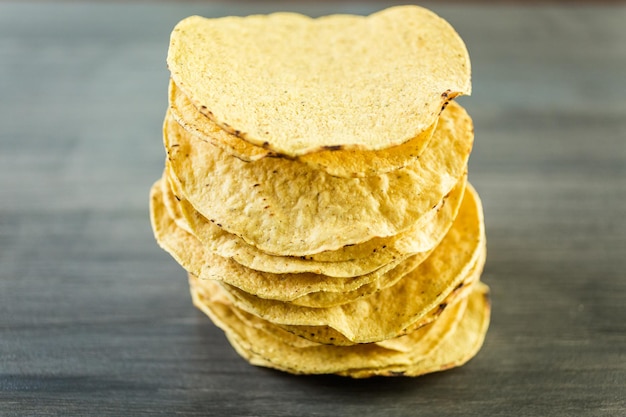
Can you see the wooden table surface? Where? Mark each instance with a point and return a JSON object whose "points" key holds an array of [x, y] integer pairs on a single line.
{"points": [[95, 319]]}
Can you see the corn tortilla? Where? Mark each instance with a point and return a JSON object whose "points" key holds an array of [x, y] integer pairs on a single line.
{"points": [[449, 342], [388, 312], [307, 289], [307, 85], [328, 336], [291, 210], [348, 163], [346, 262]]}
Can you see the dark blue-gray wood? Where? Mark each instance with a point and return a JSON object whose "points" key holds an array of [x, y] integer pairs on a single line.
{"points": [[95, 319]]}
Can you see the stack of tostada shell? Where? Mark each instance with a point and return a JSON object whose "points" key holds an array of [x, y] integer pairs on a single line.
{"points": [[316, 192]]}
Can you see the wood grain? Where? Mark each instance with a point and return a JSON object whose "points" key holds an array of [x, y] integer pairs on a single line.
{"points": [[96, 320]]}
